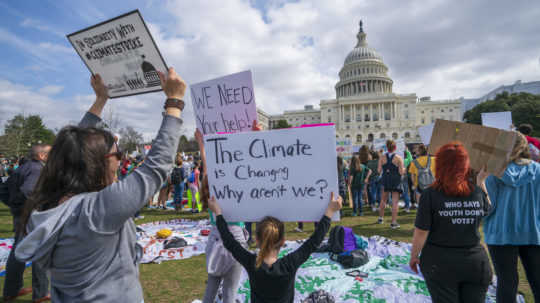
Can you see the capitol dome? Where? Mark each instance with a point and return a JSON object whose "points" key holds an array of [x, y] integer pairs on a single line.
{"points": [[363, 72]]}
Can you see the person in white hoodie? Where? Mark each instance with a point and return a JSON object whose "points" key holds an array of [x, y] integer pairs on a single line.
{"points": [[79, 221]]}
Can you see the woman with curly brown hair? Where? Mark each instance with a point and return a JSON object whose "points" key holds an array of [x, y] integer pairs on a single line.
{"points": [[454, 264]]}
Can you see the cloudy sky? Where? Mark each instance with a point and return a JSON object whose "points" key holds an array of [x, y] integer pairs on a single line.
{"points": [[443, 49]]}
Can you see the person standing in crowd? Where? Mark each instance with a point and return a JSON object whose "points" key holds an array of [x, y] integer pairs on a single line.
{"points": [[534, 144], [193, 181], [454, 264], [177, 180], [79, 222], [272, 278], [391, 167], [512, 229], [405, 180], [358, 177], [26, 177], [374, 185], [165, 192], [422, 171]]}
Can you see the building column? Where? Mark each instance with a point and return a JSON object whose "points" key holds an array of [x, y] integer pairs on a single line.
{"points": [[370, 112], [362, 112]]}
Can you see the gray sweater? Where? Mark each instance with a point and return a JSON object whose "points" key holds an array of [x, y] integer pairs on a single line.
{"points": [[88, 242]]}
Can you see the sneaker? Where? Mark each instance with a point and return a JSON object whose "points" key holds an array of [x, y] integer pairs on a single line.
{"points": [[394, 225], [354, 214], [374, 209], [361, 214], [407, 210], [298, 230], [380, 220]]}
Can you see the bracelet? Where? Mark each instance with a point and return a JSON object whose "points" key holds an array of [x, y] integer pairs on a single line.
{"points": [[173, 102]]}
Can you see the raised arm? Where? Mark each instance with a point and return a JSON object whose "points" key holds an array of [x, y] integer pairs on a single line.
{"points": [[92, 117], [299, 256], [241, 255], [119, 201], [200, 141]]}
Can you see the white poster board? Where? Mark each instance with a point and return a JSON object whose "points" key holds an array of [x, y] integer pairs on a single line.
{"points": [[425, 133], [123, 52], [286, 173], [379, 144], [344, 147], [500, 120], [224, 105]]}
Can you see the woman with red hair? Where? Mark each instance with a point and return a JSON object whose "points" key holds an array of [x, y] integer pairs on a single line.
{"points": [[454, 264]]}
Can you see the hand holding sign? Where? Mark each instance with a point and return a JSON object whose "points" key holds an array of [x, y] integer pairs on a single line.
{"points": [[173, 86], [214, 206], [99, 87], [334, 205]]}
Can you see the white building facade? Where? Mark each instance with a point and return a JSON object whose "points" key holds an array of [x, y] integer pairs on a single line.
{"points": [[366, 108]]}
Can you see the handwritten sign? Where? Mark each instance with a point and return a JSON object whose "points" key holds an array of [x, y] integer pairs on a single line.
{"points": [[500, 120], [225, 104], [123, 52], [287, 173]]}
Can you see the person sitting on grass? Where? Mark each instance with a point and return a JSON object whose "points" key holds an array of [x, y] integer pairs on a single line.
{"points": [[272, 279]]}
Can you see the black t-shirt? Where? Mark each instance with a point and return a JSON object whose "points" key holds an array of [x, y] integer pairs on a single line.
{"points": [[275, 283], [452, 221]]}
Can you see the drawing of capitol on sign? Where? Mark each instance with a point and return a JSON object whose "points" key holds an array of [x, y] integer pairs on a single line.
{"points": [[150, 74]]}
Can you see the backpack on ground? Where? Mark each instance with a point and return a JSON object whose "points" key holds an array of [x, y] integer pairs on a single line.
{"points": [[351, 259], [177, 175], [319, 296], [425, 176], [341, 239]]}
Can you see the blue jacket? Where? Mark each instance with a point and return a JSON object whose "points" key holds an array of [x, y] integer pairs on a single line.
{"points": [[515, 215]]}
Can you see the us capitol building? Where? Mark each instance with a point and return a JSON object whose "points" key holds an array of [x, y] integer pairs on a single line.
{"points": [[365, 107]]}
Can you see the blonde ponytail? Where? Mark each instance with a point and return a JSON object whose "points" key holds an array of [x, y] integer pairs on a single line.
{"points": [[270, 234]]}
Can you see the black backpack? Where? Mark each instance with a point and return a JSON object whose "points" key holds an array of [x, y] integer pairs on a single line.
{"points": [[335, 240], [351, 259], [177, 175]]}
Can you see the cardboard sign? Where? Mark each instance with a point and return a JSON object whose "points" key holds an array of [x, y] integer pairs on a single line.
{"points": [[500, 120], [425, 133], [486, 146], [287, 173], [224, 105], [123, 52]]}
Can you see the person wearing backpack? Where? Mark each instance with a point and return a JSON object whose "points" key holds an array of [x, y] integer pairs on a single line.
{"points": [[177, 180], [358, 177], [391, 167], [422, 170], [20, 186]]}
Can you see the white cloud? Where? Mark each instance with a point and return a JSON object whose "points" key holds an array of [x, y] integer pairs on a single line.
{"points": [[51, 89], [436, 48], [37, 24]]}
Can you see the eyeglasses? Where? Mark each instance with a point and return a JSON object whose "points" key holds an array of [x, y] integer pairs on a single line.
{"points": [[117, 153]]}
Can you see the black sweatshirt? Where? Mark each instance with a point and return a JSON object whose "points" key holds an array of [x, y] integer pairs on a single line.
{"points": [[272, 284]]}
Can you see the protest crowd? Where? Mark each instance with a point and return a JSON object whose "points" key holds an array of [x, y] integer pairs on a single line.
{"points": [[74, 204], [72, 201]]}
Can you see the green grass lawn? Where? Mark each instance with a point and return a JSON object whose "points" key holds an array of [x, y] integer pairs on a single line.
{"points": [[184, 280]]}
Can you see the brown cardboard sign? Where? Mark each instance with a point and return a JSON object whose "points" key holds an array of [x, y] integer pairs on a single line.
{"points": [[487, 146]]}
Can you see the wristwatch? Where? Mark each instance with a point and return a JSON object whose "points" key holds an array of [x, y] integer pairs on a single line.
{"points": [[173, 102]]}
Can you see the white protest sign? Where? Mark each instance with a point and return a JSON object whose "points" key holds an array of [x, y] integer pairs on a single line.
{"points": [[123, 52], [225, 104], [379, 144], [425, 133], [500, 120], [286, 173]]}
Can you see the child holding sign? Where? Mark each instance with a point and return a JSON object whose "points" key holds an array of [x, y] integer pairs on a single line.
{"points": [[272, 279]]}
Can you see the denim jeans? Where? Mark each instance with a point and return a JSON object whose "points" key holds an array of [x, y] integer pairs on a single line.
{"points": [[178, 193], [357, 200], [13, 282], [374, 192], [405, 193]]}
